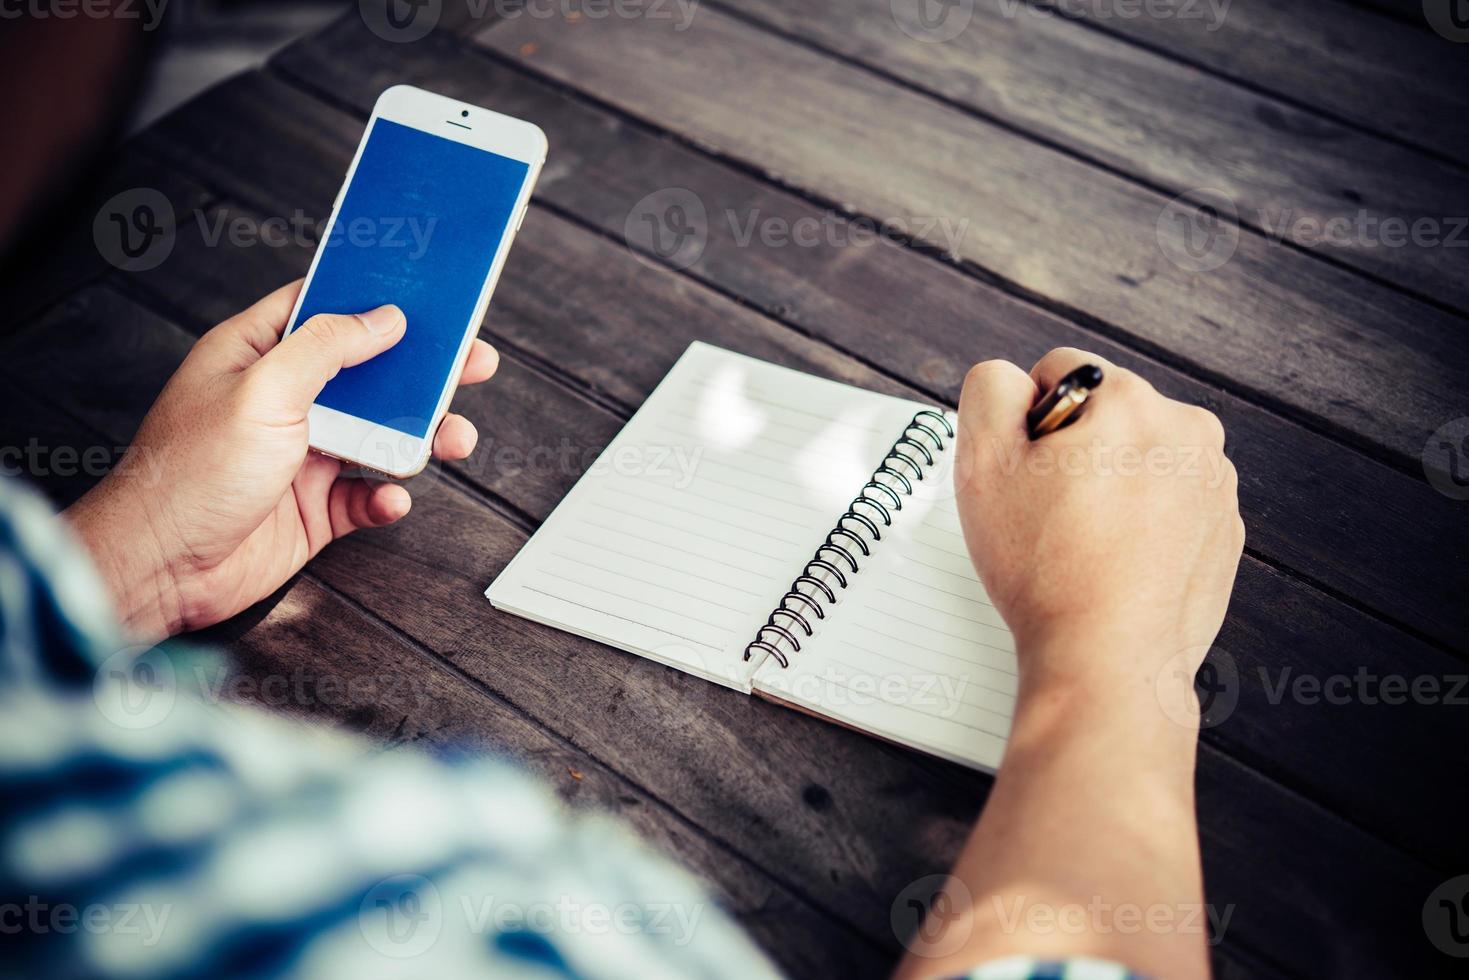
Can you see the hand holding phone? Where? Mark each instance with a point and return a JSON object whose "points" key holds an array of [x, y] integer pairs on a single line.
{"points": [[425, 219], [218, 501]]}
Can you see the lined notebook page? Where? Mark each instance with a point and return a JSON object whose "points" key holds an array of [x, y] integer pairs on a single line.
{"points": [[914, 651], [683, 535]]}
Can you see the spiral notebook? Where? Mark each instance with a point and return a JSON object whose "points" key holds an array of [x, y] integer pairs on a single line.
{"points": [[789, 537]]}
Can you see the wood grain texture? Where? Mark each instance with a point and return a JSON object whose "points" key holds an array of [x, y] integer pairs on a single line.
{"points": [[548, 309], [1053, 226], [1288, 173], [1388, 77], [46, 448], [67, 253], [857, 293]]}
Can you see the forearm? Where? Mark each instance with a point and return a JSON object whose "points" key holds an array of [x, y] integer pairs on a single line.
{"points": [[1087, 845]]}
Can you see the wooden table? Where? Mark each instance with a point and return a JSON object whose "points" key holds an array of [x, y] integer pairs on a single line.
{"points": [[1027, 171]]}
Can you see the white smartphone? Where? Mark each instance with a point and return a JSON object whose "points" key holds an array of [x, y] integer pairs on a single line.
{"points": [[425, 218]]}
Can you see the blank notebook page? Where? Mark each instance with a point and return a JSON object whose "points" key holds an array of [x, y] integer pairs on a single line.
{"points": [[914, 651], [684, 534]]}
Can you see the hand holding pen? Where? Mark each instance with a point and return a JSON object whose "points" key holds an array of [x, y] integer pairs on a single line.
{"points": [[1061, 405]]}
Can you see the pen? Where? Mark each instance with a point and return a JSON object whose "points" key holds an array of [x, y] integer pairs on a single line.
{"points": [[1063, 403]]}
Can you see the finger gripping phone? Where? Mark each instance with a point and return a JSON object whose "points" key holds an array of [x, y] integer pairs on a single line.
{"points": [[424, 220]]}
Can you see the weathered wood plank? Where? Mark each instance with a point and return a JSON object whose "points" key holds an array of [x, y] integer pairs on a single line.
{"points": [[1055, 227], [1384, 76], [567, 280], [765, 741], [1287, 173], [96, 346], [1408, 11], [854, 294], [71, 252], [45, 448]]}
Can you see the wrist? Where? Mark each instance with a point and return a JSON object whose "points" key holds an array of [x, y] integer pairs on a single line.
{"points": [[129, 556], [1117, 684]]}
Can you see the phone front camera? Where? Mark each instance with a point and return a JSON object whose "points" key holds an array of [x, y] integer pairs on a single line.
{"points": [[465, 113]]}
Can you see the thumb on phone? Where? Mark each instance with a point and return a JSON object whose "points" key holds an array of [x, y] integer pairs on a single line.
{"points": [[302, 363]]}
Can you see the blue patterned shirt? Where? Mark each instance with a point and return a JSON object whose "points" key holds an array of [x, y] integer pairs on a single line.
{"points": [[146, 832]]}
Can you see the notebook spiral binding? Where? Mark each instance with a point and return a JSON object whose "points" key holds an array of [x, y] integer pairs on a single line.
{"points": [[876, 502]]}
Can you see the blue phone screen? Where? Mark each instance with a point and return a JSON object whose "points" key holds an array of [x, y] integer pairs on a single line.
{"points": [[419, 226]]}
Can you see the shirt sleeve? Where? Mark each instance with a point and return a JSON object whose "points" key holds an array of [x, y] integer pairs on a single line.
{"points": [[149, 832]]}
